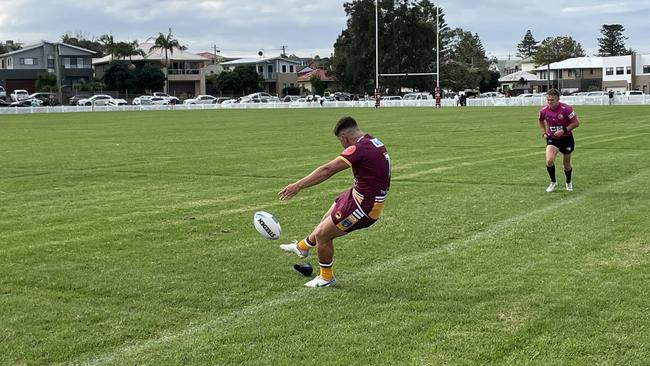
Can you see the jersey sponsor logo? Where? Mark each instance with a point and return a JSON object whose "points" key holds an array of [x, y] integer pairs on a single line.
{"points": [[376, 142], [560, 116], [350, 150]]}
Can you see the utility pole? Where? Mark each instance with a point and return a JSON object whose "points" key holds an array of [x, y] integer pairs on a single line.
{"points": [[284, 49], [214, 60], [57, 71]]}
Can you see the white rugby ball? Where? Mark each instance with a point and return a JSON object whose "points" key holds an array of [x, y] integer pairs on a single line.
{"points": [[267, 225]]}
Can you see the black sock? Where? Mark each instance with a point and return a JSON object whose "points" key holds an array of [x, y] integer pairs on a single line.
{"points": [[568, 175], [551, 172]]}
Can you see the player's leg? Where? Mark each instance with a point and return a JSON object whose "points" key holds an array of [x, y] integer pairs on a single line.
{"points": [[301, 248], [568, 171], [325, 234], [551, 153]]}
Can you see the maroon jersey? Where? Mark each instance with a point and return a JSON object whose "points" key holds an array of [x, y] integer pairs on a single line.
{"points": [[371, 167], [562, 116]]}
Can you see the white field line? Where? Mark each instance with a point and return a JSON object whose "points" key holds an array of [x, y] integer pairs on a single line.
{"points": [[477, 162], [294, 295]]}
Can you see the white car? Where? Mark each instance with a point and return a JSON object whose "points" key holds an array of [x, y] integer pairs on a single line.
{"points": [[19, 94], [113, 102], [98, 99], [150, 100], [417, 96], [201, 99], [170, 98]]}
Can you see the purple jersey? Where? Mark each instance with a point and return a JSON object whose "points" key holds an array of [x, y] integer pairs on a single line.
{"points": [[562, 116], [371, 167]]}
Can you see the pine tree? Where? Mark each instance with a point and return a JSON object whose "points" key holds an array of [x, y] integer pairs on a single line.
{"points": [[613, 41], [528, 46]]}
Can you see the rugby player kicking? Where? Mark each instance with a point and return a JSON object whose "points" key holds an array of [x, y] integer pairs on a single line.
{"points": [[557, 121], [354, 209]]}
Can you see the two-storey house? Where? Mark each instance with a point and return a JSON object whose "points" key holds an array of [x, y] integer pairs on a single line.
{"points": [[20, 69]]}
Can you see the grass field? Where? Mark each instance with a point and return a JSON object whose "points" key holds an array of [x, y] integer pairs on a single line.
{"points": [[127, 238]]}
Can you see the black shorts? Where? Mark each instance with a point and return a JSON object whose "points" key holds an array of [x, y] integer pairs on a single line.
{"points": [[565, 145]]}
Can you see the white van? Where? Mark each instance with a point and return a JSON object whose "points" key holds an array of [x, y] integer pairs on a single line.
{"points": [[633, 92]]}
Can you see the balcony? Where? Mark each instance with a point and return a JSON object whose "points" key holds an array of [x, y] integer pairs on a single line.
{"points": [[184, 71]]}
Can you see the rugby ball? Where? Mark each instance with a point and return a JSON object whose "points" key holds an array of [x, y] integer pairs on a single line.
{"points": [[267, 225]]}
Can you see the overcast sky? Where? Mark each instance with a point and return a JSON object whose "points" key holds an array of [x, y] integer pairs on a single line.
{"points": [[309, 28]]}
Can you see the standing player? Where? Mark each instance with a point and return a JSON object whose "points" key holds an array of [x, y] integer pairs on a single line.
{"points": [[356, 208], [557, 121]]}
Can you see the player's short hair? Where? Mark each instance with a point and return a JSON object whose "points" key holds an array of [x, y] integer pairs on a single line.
{"points": [[553, 92], [345, 123]]}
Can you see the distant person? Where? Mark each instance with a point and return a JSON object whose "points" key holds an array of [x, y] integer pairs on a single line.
{"points": [[557, 122], [322, 100], [611, 97], [356, 208]]}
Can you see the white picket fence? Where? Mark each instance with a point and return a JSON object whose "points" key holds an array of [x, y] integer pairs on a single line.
{"points": [[446, 103]]}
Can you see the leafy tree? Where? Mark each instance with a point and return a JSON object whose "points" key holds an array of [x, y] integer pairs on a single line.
{"points": [[250, 80], [317, 85], [119, 76], [613, 41], [467, 65], [80, 40], [407, 41], [168, 44], [108, 45], [9, 46], [150, 78], [554, 49], [88, 85], [528, 45], [228, 82], [46, 82]]}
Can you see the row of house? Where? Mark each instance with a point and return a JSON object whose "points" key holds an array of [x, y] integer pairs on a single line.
{"points": [[616, 73], [186, 72]]}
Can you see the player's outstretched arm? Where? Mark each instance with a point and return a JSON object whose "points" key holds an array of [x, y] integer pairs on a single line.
{"points": [[319, 175]]}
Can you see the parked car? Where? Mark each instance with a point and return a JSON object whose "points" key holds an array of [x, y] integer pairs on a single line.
{"points": [[48, 99], [4, 103], [170, 98], [391, 97], [29, 102], [290, 98], [113, 102], [220, 100], [98, 100], [633, 92], [342, 96], [76, 98], [3, 93], [201, 99], [491, 95], [149, 100], [417, 96], [19, 94]]}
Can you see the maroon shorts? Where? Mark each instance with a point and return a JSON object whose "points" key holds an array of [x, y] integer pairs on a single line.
{"points": [[352, 213]]}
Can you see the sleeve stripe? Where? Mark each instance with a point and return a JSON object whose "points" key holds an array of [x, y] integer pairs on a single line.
{"points": [[345, 160]]}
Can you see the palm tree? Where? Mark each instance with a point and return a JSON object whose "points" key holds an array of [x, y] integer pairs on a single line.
{"points": [[108, 44], [168, 44]]}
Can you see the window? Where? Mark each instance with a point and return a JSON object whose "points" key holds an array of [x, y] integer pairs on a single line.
{"points": [[628, 70], [646, 68], [559, 74], [29, 61], [284, 68], [9, 62], [260, 69], [3, 64], [50, 62], [609, 71], [591, 71], [290, 68], [269, 68], [620, 70], [568, 73]]}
